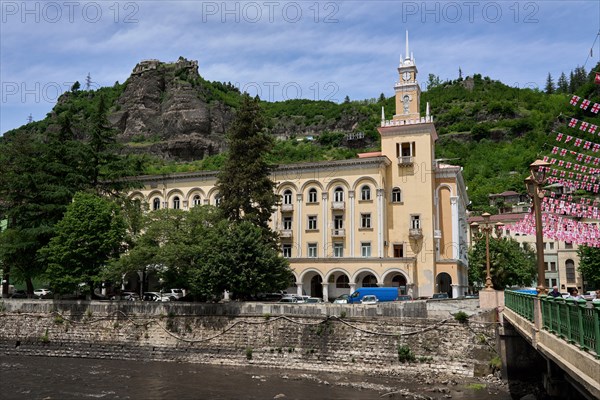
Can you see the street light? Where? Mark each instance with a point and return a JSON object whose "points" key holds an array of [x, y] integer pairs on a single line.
{"points": [[479, 230], [534, 181]]}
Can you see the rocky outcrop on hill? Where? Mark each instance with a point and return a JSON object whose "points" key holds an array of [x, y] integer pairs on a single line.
{"points": [[164, 110]]}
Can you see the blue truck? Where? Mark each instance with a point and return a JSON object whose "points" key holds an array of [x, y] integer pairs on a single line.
{"points": [[382, 294]]}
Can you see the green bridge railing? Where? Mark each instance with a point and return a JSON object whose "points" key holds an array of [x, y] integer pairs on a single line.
{"points": [[576, 321]]}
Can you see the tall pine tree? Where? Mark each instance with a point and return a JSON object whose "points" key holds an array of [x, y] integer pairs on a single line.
{"points": [[549, 84], [244, 183], [562, 84]]}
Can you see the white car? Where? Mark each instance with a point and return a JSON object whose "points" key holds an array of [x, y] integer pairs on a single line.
{"points": [[369, 299], [42, 293], [288, 299], [343, 299]]}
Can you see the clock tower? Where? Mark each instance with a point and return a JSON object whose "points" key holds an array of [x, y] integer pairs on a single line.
{"points": [[408, 92]]}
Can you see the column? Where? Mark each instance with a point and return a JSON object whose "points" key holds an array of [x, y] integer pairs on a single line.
{"points": [[380, 219], [352, 287], [325, 223], [299, 288], [325, 292], [351, 227], [299, 217], [455, 227], [455, 291]]}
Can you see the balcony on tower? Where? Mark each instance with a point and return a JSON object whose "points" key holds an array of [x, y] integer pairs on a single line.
{"points": [[415, 233], [405, 160]]}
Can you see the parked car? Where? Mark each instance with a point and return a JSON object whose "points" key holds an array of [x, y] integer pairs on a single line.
{"points": [[439, 296], [155, 296], [343, 299], [313, 300], [288, 299], [369, 299], [42, 293], [404, 297], [174, 294], [130, 296], [19, 294]]}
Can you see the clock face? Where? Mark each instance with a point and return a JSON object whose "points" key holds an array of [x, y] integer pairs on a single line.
{"points": [[406, 76]]}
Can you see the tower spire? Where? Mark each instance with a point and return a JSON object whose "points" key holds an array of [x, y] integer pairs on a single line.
{"points": [[407, 52]]}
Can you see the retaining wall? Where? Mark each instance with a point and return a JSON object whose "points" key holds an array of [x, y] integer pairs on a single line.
{"points": [[326, 337]]}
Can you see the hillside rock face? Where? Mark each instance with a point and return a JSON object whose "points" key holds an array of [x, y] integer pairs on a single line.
{"points": [[167, 115]]}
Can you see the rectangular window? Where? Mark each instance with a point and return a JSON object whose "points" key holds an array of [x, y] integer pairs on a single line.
{"points": [[287, 250], [568, 245], [551, 244], [287, 223], [338, 249], [398, 250], [312, 222], [312, 196], [365, 249], [552, 266], [312, 250], [365, 220], [415, 222]]}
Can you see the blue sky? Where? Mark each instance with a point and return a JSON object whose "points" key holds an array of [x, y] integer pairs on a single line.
{"points": [[285, 49]]}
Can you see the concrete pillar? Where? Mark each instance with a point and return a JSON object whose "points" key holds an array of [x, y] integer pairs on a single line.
{"points": [[352, 287], [299, 288], [456, 291], [299, 217], [325, 292], [350, 231], [380, 219]]}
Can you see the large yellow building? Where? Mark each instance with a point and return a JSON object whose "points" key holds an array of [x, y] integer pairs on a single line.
{"points": [[391, 218]]}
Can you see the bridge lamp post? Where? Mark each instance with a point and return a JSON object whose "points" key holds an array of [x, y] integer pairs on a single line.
{"points": [[485, 229], [534, 182]]}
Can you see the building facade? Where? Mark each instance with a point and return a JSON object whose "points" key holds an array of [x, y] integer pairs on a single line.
{"points": [[560, 258], [391, 218]]}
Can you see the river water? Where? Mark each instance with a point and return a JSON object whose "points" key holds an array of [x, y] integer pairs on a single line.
{"points": [[24, 377]]}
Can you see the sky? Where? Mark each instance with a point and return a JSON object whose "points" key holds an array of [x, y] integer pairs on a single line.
{"points": [[321, 50]]}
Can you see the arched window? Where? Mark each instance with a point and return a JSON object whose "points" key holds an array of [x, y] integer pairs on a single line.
{"points": [[396, 195], [218, 199], [287, 197], [156, 203], [342, 282], [338, 194], [176, 203], [196, 201], [369, 281], [365, 193], [570, 269], [312, 195]]}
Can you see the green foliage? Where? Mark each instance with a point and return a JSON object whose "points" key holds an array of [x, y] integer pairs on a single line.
{"points": [[476, 386], [461, 317], [249, 353], [87, 238], [510, 265], [244, 182], [200, 250], [496, 363], [45, 338], [405, 354], [589, 265]]}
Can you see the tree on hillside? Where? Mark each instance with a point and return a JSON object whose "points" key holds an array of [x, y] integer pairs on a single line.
{"points": [[589, 265], [244, 182], [562, 85], [549, 88], [87, 238], [510, 265]]}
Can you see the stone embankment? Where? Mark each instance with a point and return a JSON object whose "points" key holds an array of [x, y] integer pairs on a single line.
{"points": [[356, 338]]}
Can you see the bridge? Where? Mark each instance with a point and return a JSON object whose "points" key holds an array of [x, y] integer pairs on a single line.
{"points": [[565, 335]]}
